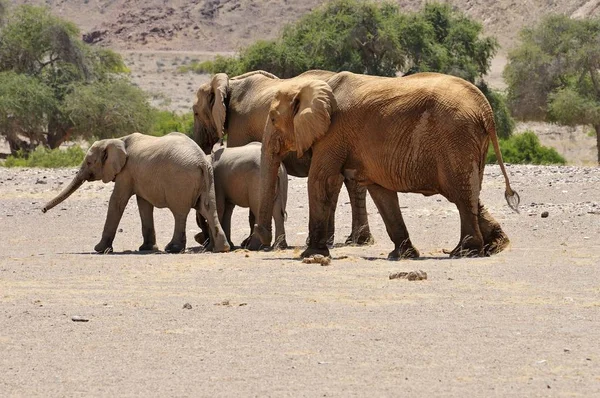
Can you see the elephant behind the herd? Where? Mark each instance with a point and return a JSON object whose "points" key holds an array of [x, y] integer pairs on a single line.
{"points": [[426, 133], [237, 183], [169, 171], [239, 107]]}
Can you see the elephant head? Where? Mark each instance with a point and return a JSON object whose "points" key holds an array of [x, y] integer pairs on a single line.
{"points": [[210, 111], [300, 115], [103, 161]]}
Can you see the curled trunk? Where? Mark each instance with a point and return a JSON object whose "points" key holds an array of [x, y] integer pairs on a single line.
{"points": [[72, 187]]}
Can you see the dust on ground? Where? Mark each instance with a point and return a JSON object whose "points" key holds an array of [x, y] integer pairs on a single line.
{"points": [[524, 322]]}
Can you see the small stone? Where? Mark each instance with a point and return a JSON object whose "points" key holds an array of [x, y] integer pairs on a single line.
{"points": [[545, 214], [317, 259], [77, 318], [120, 230], [187, 306], [411, 276]]}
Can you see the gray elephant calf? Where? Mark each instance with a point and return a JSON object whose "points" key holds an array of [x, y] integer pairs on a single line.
{"points": [[170, 171], [237, 182]]}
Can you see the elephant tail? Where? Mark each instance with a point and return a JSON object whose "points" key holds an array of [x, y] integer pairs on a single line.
{"points": [[511, 196]]}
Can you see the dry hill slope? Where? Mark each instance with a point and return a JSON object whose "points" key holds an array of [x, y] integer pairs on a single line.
{"points": [[225, 25]]}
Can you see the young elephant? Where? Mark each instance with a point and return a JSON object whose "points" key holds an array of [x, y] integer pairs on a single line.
{"points": [[237, 182], [170, 171]]}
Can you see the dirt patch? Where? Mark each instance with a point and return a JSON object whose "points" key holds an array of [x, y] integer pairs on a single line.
{"points": [[522, 322]]}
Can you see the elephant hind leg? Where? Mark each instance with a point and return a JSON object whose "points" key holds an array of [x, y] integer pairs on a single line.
{"points": [[389, 208], [494, 238], [177, 243], [361, 233], [147, 216], [471, 239]]}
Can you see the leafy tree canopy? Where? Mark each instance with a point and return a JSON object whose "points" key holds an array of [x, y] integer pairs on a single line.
{"points": [[372, 38], [554, 74], [44, 64]]}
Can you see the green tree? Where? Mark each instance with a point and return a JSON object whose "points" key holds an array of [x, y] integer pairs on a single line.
{"points": [[370, 37], [106, 109], [46, 48], [554, 73], [25, 103], [375, 38]]}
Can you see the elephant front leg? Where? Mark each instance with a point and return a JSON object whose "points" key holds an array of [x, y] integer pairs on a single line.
{"points": [[116, 207], [322, 190], [361, 233], [252, 221], [387, 204], [177, 243], [147, 216]]}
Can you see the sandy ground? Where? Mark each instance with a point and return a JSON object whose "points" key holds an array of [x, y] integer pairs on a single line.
{"points": [[525, 322]]}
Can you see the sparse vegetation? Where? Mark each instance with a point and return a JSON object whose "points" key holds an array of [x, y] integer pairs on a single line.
{"points": [[525, 148], [369, 37], [554, 74], [43, 66], [377, 39], [44, 157], [166, 122]]}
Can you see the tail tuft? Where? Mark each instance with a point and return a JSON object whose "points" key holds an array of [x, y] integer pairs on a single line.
{"points": [[512, 199]]}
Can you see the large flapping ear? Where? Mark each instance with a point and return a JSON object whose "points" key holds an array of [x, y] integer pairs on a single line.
{"points": [[219, 85], [313, 107], [113, 159]]}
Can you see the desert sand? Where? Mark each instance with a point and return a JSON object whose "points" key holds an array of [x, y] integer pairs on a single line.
{"points": [[525, 322]]}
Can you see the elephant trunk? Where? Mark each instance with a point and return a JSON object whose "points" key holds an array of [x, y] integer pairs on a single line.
{"points": [[78, 180], [269, 171]]}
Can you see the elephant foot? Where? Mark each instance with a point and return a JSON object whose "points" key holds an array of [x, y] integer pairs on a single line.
{"points": [[404, 251], [280, 244], [362, 237], [103, 247], [310, 251], [495, 242], [148, 247], [254, 244], [246, 242], [201, 238], [329, 241], [222, 248], [175, 247], [467, 248]]}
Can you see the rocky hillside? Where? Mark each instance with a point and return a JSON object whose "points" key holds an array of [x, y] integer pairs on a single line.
{"points": [[225, 25]]}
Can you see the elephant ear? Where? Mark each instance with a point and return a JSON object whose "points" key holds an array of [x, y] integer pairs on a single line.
{"points": [[219, 85], [313, 107], [113, 159]]}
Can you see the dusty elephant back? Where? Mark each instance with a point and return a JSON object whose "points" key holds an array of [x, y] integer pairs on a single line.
{"points": [[410, 131], [182, 165]]}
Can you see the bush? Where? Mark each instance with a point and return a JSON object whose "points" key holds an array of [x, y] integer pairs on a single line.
{"points": [[166, 122], [374, 38], [44, 157], [525, 148]]}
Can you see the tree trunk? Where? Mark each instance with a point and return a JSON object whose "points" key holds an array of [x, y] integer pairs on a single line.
{"points": [[597, 128], [57, 133]]}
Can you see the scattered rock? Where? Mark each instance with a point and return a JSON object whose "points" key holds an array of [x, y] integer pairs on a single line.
{"points": [[225, 303], [545, 214], [41, 182], [317, 259], [411, 276], [187, 306], [77, 318]]}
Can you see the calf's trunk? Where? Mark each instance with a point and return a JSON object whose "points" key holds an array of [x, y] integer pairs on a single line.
{"points": [[77, 181]]}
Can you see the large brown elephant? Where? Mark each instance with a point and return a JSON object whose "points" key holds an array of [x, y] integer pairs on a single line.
{"points": [[426, 133], [239, 107]]}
